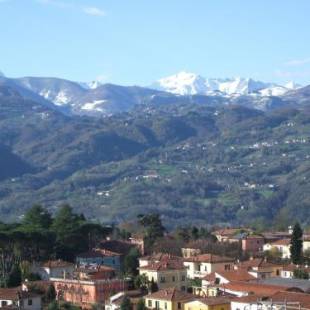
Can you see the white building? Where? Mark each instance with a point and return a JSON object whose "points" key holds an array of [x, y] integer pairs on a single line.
{"points": [[15, 297]]}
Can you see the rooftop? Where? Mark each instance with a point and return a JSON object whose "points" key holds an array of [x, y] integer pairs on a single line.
{"points": [[170, 294], [209, 258]]}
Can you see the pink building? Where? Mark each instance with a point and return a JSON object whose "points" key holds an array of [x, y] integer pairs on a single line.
{"points": [[87, 293], [253, 244]]}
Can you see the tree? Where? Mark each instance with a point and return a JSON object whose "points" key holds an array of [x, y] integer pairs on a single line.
{"points": [[301, 274], [15, 277], [126, 304], [131, 262], [141, 305], [154, 228], [50, 294], [37, 218], [69, 236], [296, 244]]}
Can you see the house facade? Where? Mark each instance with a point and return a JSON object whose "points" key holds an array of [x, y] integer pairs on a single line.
{"points": [[201, 265]]}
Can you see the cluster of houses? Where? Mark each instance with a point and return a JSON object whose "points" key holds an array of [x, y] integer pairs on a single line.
{"points": [[193, 281]]}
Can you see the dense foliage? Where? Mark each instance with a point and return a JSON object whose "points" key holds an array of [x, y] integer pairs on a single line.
{"points": [[190, 163], [40, 237]]}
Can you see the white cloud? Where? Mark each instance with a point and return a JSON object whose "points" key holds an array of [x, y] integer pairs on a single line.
{"points": [[298, 62], [94, 11]]}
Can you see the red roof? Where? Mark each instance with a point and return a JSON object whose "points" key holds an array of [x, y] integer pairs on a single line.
{"points": [[164, 265], [255, 288], [236, 275], [282, 242], [209, 258], [170, 294]]}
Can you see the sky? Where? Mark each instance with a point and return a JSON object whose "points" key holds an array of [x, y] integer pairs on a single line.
{"points": [[135, 42]]}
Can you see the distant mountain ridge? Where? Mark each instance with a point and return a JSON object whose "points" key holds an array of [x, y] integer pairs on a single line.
{"points": [[185, 83], [97, 100]]}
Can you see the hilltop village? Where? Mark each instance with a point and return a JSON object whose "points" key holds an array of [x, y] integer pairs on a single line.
{"points": [[66, 262]]}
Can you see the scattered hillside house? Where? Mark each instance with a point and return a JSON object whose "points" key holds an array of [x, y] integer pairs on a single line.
{"points": [[121, 247], [277, 301], [94, 272], [260, 268], [306, 243], [53, 269], [210, 303], [204, 264], [86, 293], [197, 247], [169, 273], [230, 234], [115, 301], [189, 252], [239, 288], [100, 257], [278, 235], [139, 242], [19, 299], [253, 243], [282, 246], [298, 285], [156, 258], [288, 270], [167, 299], [210, 282]]}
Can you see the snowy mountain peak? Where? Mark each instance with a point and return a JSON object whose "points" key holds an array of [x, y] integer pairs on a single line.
{"points": [[182, 83], [2, 74], [185, 83]]}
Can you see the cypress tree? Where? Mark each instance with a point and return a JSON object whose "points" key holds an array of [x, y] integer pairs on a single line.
{"points": [[296, 244]]}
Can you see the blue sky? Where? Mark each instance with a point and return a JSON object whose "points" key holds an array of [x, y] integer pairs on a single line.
{"points": [[139, 41]]}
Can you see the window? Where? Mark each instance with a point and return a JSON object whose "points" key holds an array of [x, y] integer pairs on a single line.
{"points": [[29, 302], [157, 304], [4, 303], [165, 305], [227, 267], [179, 305], [149, 303], [183, 278], [173, 279], [162, 279]]}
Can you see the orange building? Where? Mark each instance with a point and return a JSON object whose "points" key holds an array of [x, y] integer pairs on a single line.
{"points": [[87, 293]]}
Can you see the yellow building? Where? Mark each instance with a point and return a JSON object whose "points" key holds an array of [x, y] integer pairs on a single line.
{"points": [[211, 303], [166, 274], [168, 299]]}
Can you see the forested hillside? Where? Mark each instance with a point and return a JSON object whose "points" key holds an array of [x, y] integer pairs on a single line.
{"points": [[191, 163]]}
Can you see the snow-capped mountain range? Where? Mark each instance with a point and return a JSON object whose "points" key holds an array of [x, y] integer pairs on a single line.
{"points": [[96, 99], [185, 83]]}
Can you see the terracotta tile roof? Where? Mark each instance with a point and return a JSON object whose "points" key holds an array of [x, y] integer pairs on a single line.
{"points": [[292, 267], [164, 265], [210, 277], [255, 263], [282, 242], [57, 264], [160, 257], [279, 297], [302, 298], [255, 288], [170, 294], [236, 275], [209, 258], [212, 301]]}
